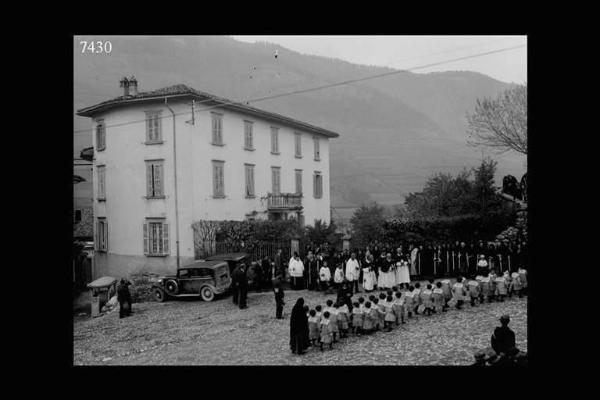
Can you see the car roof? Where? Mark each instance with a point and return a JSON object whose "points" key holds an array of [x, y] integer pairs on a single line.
{"points": [[204, 264], [229, 256]]}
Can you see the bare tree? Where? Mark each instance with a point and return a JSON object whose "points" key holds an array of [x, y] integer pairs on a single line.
{"points": [[501, 123]]}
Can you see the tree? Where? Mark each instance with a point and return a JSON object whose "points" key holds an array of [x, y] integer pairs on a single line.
{"points": [[321, 232], [483, 187], [443, 196], [367, 223], [501, 123]]}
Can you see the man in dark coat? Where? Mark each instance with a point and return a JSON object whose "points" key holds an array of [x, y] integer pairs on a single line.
{"points": [[503, 341], [279, 295], [267, 276], [239, 276], [124, 298], [234, 285], [279, 261]]}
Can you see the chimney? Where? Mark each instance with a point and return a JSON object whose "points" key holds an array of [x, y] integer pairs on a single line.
{"points": [[125, 85], [133, 86]]}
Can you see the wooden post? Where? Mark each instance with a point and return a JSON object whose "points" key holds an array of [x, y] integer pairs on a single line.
{"points": [[419, 263], [452, 261], [447, 262]]}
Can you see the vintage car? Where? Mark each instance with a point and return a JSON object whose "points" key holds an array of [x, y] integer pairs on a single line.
{"points": [[233, 259], [201, 278]]}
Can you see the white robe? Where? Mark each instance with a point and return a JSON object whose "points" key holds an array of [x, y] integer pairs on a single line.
{"points": [[402, 273], [368, 281]]}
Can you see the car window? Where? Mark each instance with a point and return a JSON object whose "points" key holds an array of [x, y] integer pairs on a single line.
{"points": [[205, 272], [184, 273]]}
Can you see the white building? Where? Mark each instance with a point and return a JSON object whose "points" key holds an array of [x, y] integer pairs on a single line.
{"points": [[159, 167]]}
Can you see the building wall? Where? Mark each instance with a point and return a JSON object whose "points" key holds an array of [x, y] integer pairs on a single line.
{"points": [[126, 207]]}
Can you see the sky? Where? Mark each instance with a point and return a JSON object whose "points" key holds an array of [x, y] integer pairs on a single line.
{"points": [[404, 52]]}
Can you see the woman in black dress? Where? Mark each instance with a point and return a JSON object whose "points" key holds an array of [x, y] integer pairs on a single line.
{"points": [[298, 328]]}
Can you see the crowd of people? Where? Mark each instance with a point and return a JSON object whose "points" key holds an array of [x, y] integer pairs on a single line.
{"points": [[323, 325], [382, 265]]}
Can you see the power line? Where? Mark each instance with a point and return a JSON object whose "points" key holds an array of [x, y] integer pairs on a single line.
{"points": [[341, 83]]}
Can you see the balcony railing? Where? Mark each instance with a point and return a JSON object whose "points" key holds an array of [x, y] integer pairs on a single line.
{"points": [[284, 201]]}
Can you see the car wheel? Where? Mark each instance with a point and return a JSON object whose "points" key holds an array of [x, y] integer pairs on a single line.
{"points": [[171, 287], [207, 294], [159, 295]]}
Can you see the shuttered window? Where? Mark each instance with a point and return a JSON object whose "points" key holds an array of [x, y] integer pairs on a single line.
{"points": [[156, 238], [218, 179], [100, 135], [153, 127], [298, 145], [317, 149], [154, 179], [274, 140], [217, 128], [248, 139], [249, 174], [298, 181], [318, 185], [276, 179], [101, 238], [101, 182]]}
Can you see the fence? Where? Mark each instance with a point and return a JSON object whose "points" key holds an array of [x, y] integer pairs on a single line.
{"points": [[257, 250]]}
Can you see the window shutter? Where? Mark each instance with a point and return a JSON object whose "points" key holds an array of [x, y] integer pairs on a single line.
{"points": [[219, 130], [96, 243], [157, 133], [158, 179], [148, 128], [105, 244], [165, 238], [146, 241], [149, 180], [215, 181], [221, 180], [252, 181]]}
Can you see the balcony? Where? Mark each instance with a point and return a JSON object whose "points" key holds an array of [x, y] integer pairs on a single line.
{"points": [[284, 201]]}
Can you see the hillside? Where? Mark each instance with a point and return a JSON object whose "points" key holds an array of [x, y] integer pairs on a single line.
{"points": [[395, 131]]}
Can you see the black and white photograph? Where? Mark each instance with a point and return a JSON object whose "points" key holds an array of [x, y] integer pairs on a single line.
{"points": [[334, 200]]}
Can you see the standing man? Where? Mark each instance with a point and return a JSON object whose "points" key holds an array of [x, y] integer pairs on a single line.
{"points": [[279, 295], [234, 284], [312, 271], [279, 262], [266, 272], [242, 285], [353, 273], [296, 270], [124, 298]]}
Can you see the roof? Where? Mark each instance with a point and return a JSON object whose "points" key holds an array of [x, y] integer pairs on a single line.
{"points": [[203, 264], [105, 281], [181, 90], [229, 256]]}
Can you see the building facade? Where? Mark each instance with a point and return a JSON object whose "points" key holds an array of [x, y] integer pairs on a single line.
{"points": [[168, 158]]}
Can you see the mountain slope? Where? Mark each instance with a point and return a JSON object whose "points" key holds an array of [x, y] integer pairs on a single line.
{"points": [[395, 131]]}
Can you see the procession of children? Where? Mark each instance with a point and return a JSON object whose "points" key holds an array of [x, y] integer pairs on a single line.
{"points": [[399, 300]]}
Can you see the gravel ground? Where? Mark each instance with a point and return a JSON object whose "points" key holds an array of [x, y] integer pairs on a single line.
{"points": [[193, 332]]}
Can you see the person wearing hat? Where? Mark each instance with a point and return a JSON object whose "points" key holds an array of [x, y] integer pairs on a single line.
{"points": [[503, 339], [482, 265]]}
